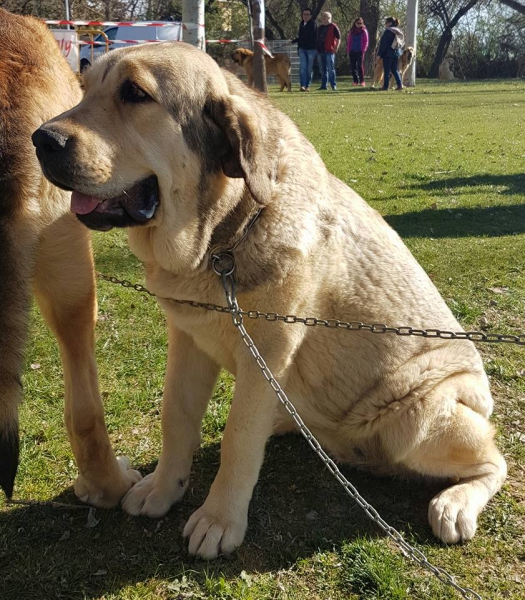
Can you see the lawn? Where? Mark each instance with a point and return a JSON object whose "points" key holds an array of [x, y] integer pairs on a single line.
{"points": [[443, 164]]}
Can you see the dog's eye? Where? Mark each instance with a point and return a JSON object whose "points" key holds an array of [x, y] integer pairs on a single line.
{"points": [[131, 92]]}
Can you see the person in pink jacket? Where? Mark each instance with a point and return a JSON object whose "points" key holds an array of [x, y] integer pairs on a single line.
{"points": [[356, 45]]}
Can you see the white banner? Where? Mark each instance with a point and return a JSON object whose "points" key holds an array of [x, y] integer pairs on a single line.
{"points": [[67, 41]]}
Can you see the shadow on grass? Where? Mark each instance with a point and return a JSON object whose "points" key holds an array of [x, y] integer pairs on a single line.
{"points": [[297, 509], [508, 184], [460, 222]]}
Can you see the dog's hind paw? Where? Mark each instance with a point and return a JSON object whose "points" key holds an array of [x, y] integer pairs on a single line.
{"points": [[211, 535], [453, 514]]}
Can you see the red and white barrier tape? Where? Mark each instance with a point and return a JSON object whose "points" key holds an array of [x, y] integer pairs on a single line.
{"points": [[265, 49], [122, 23], [114, 42]]}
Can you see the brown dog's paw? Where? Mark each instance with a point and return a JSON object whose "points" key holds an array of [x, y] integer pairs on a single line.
{"points": [[108, 492]]}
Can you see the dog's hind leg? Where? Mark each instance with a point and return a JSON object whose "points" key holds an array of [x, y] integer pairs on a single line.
{"points": [[65, 290], [451, 439]]}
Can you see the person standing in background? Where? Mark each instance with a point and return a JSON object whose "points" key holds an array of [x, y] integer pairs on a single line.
{"points": [[306, 41], [390, 49], [356, 46], [328, 42]]}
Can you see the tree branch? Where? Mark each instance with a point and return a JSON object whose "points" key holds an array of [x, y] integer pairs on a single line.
{"points": [[514, 5]]}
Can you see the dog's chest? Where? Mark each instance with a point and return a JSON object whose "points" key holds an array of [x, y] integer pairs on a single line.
{"points": [[212, 331]]}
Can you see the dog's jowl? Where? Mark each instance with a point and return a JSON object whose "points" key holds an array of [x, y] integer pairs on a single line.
{"points": [[185, 168]]}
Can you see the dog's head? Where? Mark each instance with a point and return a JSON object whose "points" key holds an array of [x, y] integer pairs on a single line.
{"points": [[158, 134], [241, 55]]}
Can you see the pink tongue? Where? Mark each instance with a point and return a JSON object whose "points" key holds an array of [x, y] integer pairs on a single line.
{"points": [[81, 204]]}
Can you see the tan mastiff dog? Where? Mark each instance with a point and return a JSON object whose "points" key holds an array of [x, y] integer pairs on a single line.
{"points": [[405, 60], [45, 250], [185, 169], [278, 65]]}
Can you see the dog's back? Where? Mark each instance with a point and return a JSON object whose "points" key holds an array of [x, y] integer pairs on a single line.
{"points": [[34, 86]]}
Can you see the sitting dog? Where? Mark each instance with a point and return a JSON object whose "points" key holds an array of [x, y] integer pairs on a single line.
{"points": [[43, 249], [278, 65], [186, 169], [445, 70], [405, 60]]}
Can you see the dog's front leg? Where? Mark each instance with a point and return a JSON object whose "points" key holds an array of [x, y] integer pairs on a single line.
{"points": [[218, 527], [190, 378]]}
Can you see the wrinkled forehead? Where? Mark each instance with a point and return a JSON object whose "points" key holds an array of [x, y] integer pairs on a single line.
{"points": [[170, 72]]}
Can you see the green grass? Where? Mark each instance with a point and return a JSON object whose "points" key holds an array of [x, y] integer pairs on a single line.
{"points": [[443, 163]]}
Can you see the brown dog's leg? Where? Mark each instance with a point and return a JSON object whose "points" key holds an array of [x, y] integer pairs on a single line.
{"points": [[378, 72], [65, 290], [190, 378]]}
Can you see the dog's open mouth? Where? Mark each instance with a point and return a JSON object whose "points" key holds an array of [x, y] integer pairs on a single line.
{"points": [[135, 206]]}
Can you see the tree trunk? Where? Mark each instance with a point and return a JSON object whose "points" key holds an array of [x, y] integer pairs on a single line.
{"points": [[259, 68], [369, 12], [441, 52], [193, 17]]}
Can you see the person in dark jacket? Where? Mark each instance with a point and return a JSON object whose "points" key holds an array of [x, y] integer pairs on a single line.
{"points": [[356, 46], [328, 41], [390, 48], [306, 40]]}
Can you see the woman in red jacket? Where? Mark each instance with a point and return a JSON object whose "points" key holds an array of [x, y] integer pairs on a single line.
{"points": [[356, 45]]}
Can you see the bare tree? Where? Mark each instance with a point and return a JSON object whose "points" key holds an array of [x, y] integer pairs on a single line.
{"points": [[449, 13]]}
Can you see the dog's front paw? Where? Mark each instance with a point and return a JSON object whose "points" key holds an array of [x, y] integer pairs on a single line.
{"points": [[107, 491], [453, 514], [154, 496], [212, 534]]}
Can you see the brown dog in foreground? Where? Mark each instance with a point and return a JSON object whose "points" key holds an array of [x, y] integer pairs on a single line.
{"points": [[405, 60], [186, 169], [278, 65], [44, 248]]}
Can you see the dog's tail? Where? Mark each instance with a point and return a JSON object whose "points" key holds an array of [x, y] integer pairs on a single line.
{"points": [[15, 293]]}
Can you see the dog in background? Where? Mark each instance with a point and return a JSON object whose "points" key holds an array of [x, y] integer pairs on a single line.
{"points": [[278, 65], [405, 60], [217, 167], [44, 249], [445, 70]]}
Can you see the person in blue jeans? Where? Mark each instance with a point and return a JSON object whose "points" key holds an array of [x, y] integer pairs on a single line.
{"points": [[390, 46], [328, 41], [306, 40]]}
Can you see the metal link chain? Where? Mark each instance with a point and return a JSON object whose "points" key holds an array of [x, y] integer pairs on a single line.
{"points": [[237, 315], [473, 336]]}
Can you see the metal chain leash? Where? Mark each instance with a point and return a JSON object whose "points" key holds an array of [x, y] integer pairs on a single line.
{"points": [[473, 336], [238, 315]]}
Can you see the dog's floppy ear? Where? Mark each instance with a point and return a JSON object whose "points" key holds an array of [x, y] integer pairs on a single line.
{"points": [[248, 155]]}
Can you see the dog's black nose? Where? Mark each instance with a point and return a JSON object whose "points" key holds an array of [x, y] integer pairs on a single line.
{"points": [[49, 141]]}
